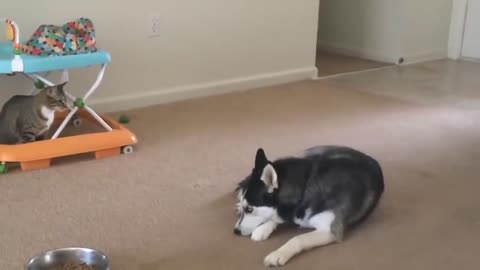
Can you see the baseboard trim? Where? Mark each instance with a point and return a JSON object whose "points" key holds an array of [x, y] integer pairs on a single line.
{"points": [[469, 59], [426, 57], [163, 96], [319, 78], [432, 55], [356, 52]]}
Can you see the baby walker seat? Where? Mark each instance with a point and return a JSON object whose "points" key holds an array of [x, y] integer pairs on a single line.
{"points": [[60, 48]]}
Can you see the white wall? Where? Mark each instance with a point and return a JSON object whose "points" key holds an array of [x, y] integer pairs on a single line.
{"points": [[455, 36], [364, 28], [386, 30], [206, 47], [426, 26]]}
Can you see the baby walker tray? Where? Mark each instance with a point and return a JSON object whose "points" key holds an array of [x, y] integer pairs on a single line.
{"points": [[59, 49]]}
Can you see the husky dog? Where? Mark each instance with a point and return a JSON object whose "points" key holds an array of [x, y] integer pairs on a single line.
{"points": [[329, 189]]}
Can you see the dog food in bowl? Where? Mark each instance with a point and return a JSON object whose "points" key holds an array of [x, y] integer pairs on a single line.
{"points": [[69, 259], [73, 266]]}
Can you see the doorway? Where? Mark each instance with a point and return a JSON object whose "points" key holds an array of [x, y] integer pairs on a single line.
{"points": [[346, 39], [471, 37], [464, 37]]}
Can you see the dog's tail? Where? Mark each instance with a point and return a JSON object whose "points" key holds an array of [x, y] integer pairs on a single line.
{"points": [[378, 188]]}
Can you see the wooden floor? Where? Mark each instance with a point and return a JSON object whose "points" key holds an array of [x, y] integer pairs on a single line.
{"points": [[332, 64]]}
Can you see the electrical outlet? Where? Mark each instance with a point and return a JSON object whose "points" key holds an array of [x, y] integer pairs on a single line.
{"points": [[153, 25]]}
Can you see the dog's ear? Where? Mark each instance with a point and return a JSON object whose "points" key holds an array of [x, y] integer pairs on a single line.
{"points": [[270, 178], [269, 175], [261, 159]]}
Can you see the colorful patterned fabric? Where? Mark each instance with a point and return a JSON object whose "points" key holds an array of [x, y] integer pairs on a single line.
{"points": [[71, 38]]}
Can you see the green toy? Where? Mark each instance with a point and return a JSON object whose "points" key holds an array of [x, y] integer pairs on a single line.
{"points": [[39, 84], [79, 102], [3, 168], [123, 119]]}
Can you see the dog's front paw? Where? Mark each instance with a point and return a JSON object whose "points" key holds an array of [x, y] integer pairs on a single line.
{"points": [[277, 258], [261, 233]]}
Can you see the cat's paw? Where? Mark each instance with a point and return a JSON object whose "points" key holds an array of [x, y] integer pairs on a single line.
{"points": [[27, 137]]}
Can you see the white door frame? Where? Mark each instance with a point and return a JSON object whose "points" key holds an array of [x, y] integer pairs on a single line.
{"points": [[457, 27]]}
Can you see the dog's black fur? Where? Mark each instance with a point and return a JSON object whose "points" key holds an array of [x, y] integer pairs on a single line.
{"points": [[328, 177], [337, 179]]}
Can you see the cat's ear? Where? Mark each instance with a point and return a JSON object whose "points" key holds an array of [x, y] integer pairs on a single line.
{"points": [[61, 85]]}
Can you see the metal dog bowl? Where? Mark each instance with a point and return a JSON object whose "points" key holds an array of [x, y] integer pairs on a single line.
{"points": [[50, 259]]}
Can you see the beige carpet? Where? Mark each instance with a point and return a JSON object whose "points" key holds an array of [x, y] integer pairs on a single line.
{"points": [[170, 204], [333, 64]]}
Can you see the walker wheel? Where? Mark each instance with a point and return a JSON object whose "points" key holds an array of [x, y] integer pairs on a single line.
{"points": [[3, 168], [77, 122], [127, 149]]}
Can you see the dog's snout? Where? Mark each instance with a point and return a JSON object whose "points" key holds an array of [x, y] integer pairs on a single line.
{"points": [[236, 231]]}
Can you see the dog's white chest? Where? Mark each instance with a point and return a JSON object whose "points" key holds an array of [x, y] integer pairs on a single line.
{"points": [[305, 220]]}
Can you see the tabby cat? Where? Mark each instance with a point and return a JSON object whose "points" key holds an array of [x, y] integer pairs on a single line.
{"points": [[26, 119]]}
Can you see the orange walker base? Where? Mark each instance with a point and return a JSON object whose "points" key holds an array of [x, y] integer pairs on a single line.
{"points": [[38, 155]]}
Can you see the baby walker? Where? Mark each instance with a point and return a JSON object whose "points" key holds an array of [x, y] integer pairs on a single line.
{"points": [[26, 59]]}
